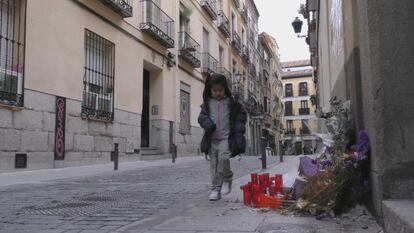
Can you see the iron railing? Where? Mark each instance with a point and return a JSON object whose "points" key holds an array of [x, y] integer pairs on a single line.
{"points": [[246, 54], [189, 49], [98, 80], [12, 51], [290, 131], [236, 41], [209, 64], [303, 92], [289, 112], [157, 23], [223, 24], [227, 74], [122, 7], [210, 6], [252, 70], [304, 111], [304, 131], [238, 90]]}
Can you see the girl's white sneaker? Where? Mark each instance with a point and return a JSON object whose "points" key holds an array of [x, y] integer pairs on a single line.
{"points": [[226, 188], [214, 195]]}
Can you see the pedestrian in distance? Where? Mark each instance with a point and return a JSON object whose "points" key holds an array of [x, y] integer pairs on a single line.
{"points": [[223, 119]]}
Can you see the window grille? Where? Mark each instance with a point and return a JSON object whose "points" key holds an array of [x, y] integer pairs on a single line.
{"points": [[98, 89]]}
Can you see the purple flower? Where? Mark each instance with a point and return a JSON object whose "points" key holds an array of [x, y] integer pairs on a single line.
{"points": [[322, 216], [363, 145]]}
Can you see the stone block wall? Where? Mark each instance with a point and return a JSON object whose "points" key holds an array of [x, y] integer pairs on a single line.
{"points": [[31, 131], [188, 143]]}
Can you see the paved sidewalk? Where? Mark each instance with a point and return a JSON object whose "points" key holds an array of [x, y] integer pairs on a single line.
{"points": [[230, 215], [38, 176]]}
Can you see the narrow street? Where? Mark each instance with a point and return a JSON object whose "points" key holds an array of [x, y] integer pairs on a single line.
{"points": [[106, 202], [162, 197]]}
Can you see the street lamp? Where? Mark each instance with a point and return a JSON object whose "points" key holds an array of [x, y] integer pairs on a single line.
{"points": [[297, 27]]}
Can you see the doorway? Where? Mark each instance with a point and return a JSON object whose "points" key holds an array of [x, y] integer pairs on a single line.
{"points": [[145, 120]]}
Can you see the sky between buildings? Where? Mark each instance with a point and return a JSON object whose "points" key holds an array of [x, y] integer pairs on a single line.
{"points": [[276, 18]]}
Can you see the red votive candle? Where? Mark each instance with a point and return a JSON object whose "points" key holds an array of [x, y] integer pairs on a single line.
{"points": [[247, 198], [266, 179], [255, 179]]}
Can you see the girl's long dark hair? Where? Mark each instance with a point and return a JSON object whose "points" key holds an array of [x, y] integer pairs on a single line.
{"points": [[215, 79]]}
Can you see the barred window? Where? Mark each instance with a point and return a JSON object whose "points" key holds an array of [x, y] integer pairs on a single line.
{"points": [[98, 81], [12, 35]]}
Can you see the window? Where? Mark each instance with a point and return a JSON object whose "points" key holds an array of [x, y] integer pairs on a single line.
{"points": [[303, 89], [288, 108], [243, 37], [289, 124], [233, 23], [98, 90], [205, 41], [12, 34], [184, 20], [221, 56], [304, 104], [289, 90]]}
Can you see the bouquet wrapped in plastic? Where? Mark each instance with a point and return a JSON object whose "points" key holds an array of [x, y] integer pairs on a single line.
{"points": [[335, 178]]}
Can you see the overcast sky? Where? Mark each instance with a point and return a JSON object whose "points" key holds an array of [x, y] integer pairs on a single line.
{"points": [[276, 17]]}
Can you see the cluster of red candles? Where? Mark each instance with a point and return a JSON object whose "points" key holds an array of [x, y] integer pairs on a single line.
{"points": [[263, 191]]}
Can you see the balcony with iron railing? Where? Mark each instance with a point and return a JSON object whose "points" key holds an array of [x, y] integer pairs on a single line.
{"points": [[289, 112], [266, 68], [236, 42], [189, 49], [238, 90], [223, 24], [252, 70], [157, 24], [122, 7], [246, 54], [209, 64], [290, 131], [210, 6], [236, 3], [304, 131], [267, 118], [244, 15], [227, 74], [304, 111], [303, 92]]}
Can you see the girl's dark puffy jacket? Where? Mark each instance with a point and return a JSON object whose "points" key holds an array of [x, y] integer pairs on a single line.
{"points": [[237, 141]]}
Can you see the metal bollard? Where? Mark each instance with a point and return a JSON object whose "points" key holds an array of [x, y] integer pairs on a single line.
{"points": [[264, 165], [173, 152], [116, 156], [281, 157]]}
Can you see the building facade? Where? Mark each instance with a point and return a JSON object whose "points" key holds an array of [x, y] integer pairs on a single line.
{"points": [[95, 76], [299, 111], [362, 51]]}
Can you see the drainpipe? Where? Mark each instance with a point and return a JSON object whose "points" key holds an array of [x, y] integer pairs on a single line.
{"points": [[176, 101]]}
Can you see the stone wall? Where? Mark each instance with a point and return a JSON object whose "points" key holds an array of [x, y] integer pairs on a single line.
{"points": [[188, 143], [31, 131]]}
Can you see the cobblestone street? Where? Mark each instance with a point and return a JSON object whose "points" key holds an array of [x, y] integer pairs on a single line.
{"points": [[109, 202]]}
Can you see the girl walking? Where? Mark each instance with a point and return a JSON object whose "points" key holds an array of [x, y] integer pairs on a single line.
{"points": [[223, 119]]}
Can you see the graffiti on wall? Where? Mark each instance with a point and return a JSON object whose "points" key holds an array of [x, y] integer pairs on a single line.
{"points": [[60, 128]]}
